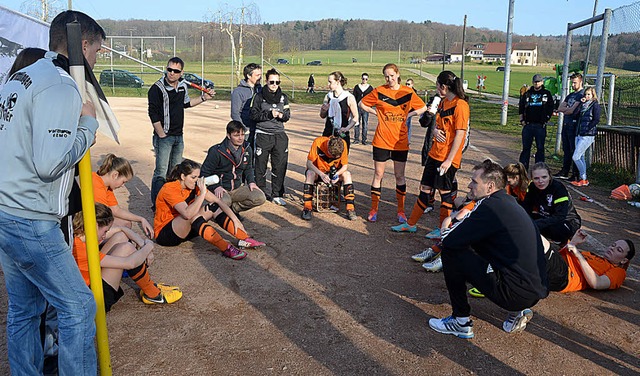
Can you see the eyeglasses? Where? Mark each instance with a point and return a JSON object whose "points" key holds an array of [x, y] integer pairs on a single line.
{"points": [[176, 71], [274, 82]]}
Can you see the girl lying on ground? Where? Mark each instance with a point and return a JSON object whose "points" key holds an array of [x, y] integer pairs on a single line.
{"points": [[131, 253], [181, 213]]}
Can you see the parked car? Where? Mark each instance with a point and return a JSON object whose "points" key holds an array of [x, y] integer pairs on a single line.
{"points": [[500, 69], [315, 62], [283, 61], [118, 77], [195, 79]]}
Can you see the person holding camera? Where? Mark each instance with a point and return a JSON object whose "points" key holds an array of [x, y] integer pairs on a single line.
{"points": [[327, 161]]}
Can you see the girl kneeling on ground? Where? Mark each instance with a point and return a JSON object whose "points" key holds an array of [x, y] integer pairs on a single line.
{"points": [[182, 215]]}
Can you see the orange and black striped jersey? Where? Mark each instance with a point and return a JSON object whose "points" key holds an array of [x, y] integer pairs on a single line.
{"points": [[392, 107], [319, 155], [453, 115]]}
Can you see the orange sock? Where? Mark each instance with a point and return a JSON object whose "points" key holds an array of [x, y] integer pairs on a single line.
{"points": [[209, 234], [436, 247], [226, 223], [375, 197], [401, 195], [307, 196], [446, 205], [349, 196], [141, 277], [418, 208]]}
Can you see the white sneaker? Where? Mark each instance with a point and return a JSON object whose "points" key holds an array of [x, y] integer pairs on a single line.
{"points": [[424, 256], [517, 321], [279, 201], [435, 265], [449, 325]]}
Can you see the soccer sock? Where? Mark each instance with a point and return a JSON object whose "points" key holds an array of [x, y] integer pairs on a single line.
{"points": [[401, 194], [418, 208], [437, 248], [446, 205], [226, 223], [209, 234], [307, 196], [349, 196], [141, 277], [375, 197]]}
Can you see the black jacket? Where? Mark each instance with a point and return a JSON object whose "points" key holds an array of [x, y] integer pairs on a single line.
{"points": [[550, 207], [501, 232], [232, 173], [536, 106]]}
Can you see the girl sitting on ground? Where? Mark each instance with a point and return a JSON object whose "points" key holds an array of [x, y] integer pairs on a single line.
{"points": [[113, 173], [131, 255], [517, 181], [181, 213]]}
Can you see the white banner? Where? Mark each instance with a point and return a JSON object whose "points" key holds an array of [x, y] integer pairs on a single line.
{"points": [[18, 31]]}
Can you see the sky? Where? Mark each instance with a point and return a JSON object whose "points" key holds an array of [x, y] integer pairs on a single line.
{"points": [[541, 17]]}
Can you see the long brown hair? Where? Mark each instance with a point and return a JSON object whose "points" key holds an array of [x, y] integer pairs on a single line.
{"points": [[113, 163], [104, 217], [517, 169]]}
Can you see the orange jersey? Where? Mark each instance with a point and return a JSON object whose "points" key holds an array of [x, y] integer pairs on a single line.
{"points": [[319, 155], [101, 193], [80, 254], [450, 120], [601, 266], [516, 192], [169, 196], [392, 107]]}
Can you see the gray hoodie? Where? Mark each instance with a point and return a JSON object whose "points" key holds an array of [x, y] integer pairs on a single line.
{"points": [[42, 138]]}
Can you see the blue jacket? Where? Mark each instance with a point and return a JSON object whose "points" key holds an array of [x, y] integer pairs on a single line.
{"points": [[589, 119]]}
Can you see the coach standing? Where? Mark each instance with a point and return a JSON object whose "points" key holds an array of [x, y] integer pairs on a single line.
{"points": [[535, 109]]}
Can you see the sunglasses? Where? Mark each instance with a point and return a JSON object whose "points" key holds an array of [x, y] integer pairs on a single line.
{"points": [[274, 82], [176, 71], [365, 78]]}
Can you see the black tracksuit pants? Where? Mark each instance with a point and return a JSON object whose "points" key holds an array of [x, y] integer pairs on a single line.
{"points": [[275, 146]]}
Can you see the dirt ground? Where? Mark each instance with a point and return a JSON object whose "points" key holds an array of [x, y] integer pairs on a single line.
{"points": [[332, 296]]}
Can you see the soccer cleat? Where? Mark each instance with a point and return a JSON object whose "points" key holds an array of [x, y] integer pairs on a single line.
{"points": [[279, 201], [373, 216], [404, 227], [449, 325], [165, 297], [435, 265], [351, 215], [561, 175], [402, 218], [234, 253], [425, 255], [306, 214], [249, 243], [165, 287], [476, 293], [517, 321], [435, 234], [355, 142], [580, 183]]}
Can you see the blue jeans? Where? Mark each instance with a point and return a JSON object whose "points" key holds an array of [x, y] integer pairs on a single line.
{"points": [[530, 132], [582, 144], [38, 265], [168, 154], [364, 122]]}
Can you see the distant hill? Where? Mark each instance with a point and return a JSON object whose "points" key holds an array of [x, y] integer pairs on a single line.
{"points": [[333, 34]]}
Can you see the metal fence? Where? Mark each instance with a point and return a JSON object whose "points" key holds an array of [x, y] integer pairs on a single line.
{"points": [[619, 147]]}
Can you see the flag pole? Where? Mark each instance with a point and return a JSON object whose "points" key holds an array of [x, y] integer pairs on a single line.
{"points": [[76, 69]]}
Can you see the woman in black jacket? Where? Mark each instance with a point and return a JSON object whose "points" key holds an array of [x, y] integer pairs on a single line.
{"points": [[270, 110], [549, 204]]}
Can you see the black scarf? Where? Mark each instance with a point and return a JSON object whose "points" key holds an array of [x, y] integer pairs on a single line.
{"points": [[272, 98]]}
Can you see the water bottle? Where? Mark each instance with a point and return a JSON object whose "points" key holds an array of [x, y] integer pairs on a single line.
{"points": [[332, 174], [434, 105], [634, 203], [211, 180]]}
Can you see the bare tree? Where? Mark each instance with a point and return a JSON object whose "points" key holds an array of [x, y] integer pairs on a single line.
{"points": [[44, 10], [233, 22]]}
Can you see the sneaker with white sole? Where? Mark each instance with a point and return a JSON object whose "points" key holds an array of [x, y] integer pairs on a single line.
{"points": [[404, 227], [351, 215], [425, 255], [435, 234], [450, 325], [279, 201], [250, 243], [234, 253], [165, 297], [435, 265], [306, 214], [517, 321]]}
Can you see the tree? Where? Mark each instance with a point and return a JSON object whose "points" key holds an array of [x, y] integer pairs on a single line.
{"points": [[44, 10], [226, 19]]}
